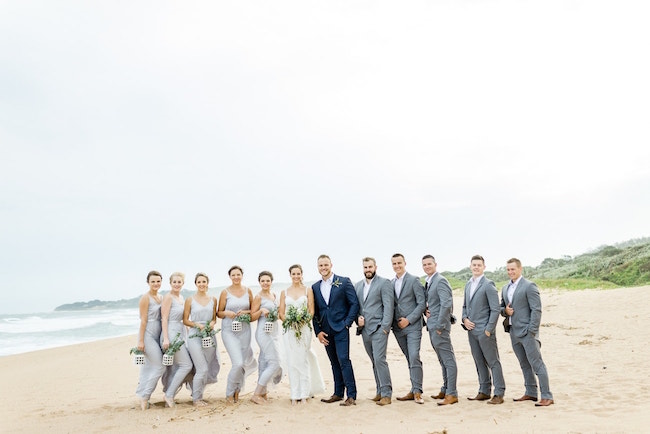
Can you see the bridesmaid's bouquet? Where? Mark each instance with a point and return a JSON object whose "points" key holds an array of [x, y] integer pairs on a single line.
{"points": [[206, 332], [272, 316], [175, 345], [244, 317], [296, 319], [138, 356]]}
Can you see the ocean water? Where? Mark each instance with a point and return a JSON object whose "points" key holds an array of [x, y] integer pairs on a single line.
{"points": [[22, 333]]}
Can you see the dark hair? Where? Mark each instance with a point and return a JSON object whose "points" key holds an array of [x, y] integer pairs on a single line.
{"points": [[369, 259], [201, 275], [298, 266], [398, 255], [154, 273], [235, 267], [264, 273], [478, 258], [429, 257], [515, 260]]}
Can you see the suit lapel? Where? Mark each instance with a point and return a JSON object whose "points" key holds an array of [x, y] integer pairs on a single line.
{"points": [[332, 289], [478, 288]]}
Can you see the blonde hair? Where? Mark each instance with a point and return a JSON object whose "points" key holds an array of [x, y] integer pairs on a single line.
{"points": [[179, 274]]}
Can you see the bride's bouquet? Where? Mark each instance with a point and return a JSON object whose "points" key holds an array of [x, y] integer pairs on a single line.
{"points": [[296, 319]]}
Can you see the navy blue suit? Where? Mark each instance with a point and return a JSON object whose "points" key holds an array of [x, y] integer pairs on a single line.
{"points": [[335, 318]]}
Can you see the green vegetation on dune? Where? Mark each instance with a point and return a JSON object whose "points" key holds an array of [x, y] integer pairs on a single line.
{"points": [[624, 264]]}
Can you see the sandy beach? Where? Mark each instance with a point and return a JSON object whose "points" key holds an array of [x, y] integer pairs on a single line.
{"points": [[593, 342]]}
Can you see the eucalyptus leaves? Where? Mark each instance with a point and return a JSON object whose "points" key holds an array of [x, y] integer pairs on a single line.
{"points": [[296, 319]]}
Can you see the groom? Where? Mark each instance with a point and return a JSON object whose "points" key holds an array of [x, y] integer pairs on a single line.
{"points": [[335, 309]]}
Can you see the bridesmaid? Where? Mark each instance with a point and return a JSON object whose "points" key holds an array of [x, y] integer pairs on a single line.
{"points": [[149, 340], [172, 324], [199, 309], [305, 379], [269, 360], [236, 300]]}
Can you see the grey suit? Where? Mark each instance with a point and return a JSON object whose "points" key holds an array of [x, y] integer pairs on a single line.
{"points": [[524, 334], [483, 310], [377, 310], [440, 303], [410, 305]]}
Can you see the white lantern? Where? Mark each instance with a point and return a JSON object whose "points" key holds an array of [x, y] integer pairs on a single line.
{"points": [[168, 359]]}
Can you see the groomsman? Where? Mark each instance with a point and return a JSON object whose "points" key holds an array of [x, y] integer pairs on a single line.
{"points": [[521, 306], [440, 307], [376, 300], [410, 302], [480, 315]]}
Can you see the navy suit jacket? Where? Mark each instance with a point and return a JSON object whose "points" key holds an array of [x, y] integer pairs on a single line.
{"points": [[342, 310]]}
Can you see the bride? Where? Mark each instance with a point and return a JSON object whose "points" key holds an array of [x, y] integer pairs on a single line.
{"points": [[305, 378]]}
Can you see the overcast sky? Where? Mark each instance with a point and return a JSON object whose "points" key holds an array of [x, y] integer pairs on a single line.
{"points": [[192, 136]]}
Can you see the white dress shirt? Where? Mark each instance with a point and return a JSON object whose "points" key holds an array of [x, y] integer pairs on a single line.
{"points": [[398, 284], [326, 288], [474, 284], [511, 293], [366, 288], [428, 279]]}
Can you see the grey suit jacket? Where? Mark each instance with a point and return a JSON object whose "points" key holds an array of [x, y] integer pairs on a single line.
{"points": [[411, 302], [377, 309], [440, 301], [483, 308], [527, 306]]}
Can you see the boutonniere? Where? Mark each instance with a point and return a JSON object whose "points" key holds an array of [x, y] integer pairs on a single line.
{"points": [[336, 283]]}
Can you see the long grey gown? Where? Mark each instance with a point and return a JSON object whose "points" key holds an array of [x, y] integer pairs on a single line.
{"points": [[238, 345], [153, 368], [269, 361], [176, 374], [205, 360]]}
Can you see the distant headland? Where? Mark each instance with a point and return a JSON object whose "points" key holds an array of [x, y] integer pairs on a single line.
{"points": [[620, 265]]}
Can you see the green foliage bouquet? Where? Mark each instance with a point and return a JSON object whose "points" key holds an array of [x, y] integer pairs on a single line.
{"points": [[135, 351], [175, 345], [296, 319], [206, 332], [244, 317], [272, 316]]}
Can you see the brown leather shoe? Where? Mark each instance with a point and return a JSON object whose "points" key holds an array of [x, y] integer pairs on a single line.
{"points": [[408, 397], [417, 397], [376, 398], [332, 399], [526, 398], [449, 399], [480, 397], [544, 403], [385, 400], [348, 402], [496, 399], [440, 395]]}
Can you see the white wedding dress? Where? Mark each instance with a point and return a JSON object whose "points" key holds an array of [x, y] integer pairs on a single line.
{"points": [[305, 378]]}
